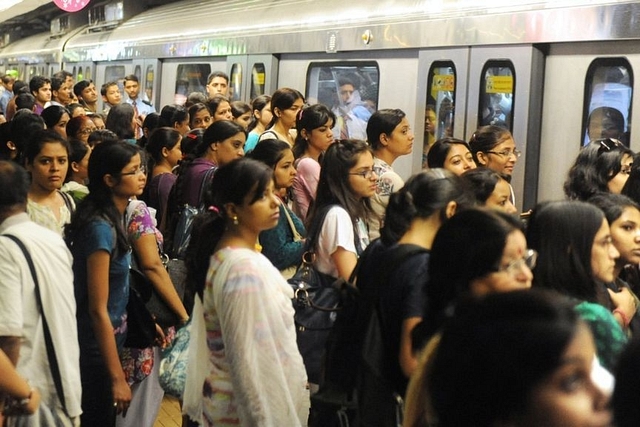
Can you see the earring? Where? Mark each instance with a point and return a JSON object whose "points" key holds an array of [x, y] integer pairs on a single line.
{"points": [[235, 220]]}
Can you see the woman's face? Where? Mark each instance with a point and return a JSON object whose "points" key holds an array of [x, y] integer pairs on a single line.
{"points": [[625, 233], [568, 397], [261, 215], [500, 199], [400, 142], [61, 127], [265, 115], [85, 130], [603, 254], [618, 181], [362, 179], [501, 158], [244, 119], [322, 137], [513, 272], [173, 155], [288, 117], [459, 159], [229, 149], [223, 112], [49, 167], [81, 168], [133, 177], [284, 172], [201, 119], [183, 126]]}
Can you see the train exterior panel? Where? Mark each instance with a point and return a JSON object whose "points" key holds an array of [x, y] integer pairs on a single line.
{"points": [[535, 67]]}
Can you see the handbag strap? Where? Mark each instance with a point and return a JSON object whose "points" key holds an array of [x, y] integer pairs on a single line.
{"points": [[51, 352], [296, 236]]}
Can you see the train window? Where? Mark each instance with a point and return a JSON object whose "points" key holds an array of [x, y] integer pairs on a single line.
{"points": [[440, 102], [33, 71], [138, 72], [497, 94], [148, 82], [87, 73], [608, 94], [115, 73], [235, 85], [258, 78], [75, 75], [190, 78], [350, 89]]}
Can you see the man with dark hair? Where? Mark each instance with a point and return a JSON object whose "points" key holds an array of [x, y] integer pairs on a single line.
{"points": [[26, 101], [22, 334], [132, 87], [87, 95], [218, 84], [61, 93], [40, 88], [18, 87], [7, 94], [69, 81], [110, 95]]}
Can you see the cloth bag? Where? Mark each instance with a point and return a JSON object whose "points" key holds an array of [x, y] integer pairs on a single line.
{"points": [[173, 362]]}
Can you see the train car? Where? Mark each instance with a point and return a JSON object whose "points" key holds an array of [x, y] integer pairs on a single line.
{"points": [[545, 70]]}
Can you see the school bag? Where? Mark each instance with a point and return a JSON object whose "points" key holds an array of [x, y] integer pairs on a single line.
{"points": [[356, 390]]}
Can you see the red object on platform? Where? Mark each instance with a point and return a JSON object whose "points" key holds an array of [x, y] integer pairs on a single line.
{"points": [[71, 5]]}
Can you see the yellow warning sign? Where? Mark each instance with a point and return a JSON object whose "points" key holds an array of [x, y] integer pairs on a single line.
{"points": [[443, 82], [499, 84]]}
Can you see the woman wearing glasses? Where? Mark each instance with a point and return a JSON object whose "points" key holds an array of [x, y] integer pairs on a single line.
{"points": [[494, 147], [337, 232], [602, 166], [577, 257]]}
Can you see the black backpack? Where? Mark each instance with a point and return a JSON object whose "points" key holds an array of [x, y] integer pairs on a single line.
{"points": [[355, 390]]}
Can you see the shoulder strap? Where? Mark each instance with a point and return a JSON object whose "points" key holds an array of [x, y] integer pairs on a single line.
{"points": [[296, 235], [68, 201], [51, 353], [206, 179]]}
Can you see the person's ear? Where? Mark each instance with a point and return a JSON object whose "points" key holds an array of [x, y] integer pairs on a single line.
{"points": [[230, 210], [451, 208], [384, 139], [110, 180], [164, 152], [74, 167], [482, 158]]}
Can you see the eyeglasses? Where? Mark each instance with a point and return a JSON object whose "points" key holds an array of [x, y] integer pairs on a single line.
{"points": [[507, 153], [608, 144], [87, 131], [138, 171], [365, 174], [529, 259]]}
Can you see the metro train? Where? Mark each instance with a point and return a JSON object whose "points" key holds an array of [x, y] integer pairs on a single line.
{"points": [[540, 68]]}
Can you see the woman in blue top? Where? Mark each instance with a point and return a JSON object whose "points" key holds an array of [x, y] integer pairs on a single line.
{"points": [[101, 258], [283, 245]]}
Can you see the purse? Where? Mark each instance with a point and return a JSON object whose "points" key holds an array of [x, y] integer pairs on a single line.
{"points": [[173, 363], [141, 327], [290, 271]]}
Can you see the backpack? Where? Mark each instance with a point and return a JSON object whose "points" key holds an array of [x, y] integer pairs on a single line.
{"points": [[180, 222], [355, 390]]}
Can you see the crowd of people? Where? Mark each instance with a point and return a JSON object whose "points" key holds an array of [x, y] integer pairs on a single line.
{"points": [[488, 320]]}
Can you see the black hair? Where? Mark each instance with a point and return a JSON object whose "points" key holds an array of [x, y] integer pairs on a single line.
{"points": [[214, 103], [77, 151], [485, 138], [382, 122], [24, 124], [482, 182], [190, 141], [25, 101], [257, 104], [437, 155], [612, 205], [80, 86], [217, 74], [6, 153], [38, 139], [131, 77], [14, 181], [37, 82], [164, 137], [52, 115], [269, 152], [239, 108], [424, 194], [101, 135], [120, 120], [172, 114], [283, 99], [106, 86], [195, 109]]}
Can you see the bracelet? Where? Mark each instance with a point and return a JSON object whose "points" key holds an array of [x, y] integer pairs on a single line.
{"points": [[625, 319], [26, 400]]}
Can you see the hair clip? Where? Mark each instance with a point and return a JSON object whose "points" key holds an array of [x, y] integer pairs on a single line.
{"points": [[213, 209], [300, 114]]}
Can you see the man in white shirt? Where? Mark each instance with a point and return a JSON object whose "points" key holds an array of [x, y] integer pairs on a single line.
{"points": [[132, 88], [21, 320]]}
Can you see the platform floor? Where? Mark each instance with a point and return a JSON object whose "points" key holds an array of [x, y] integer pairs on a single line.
{"points": [[169, 415]]}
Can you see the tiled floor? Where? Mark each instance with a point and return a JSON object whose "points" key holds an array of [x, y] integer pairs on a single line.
{"points": [[169, 415]]}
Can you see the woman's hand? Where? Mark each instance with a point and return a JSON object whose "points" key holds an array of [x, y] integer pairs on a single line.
{"points": [[624, 302], [121, 395]]}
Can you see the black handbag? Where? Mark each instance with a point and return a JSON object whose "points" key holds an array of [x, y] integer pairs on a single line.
{"points": [[141, 327]]}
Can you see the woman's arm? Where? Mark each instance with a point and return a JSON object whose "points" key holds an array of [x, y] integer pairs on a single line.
{"points": [[407, 358], [146, 251], [16, 386], [278, 245], [98, 292], [345, 262]]}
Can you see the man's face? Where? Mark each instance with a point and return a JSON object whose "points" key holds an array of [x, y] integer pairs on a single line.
{"points": [[90, 94], [132, 88], [346, 92], [64, 94], [217, 86], [113, 95], [43, 95]]}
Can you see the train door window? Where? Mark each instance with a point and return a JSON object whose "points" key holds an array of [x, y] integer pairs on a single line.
{"points": [[32, 71], [235, 85], [138, 72], [497, 94], [349, 89], [80, 74], [75, 74], [608, 96], [115, 73], [148, 83], [190, 78], [440, 102], [87, 73], [258, 78]]}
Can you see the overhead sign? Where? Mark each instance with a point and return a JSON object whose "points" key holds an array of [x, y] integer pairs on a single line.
{"points": [[71, 5]]}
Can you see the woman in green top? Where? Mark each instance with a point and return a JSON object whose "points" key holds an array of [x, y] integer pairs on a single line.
{"points": [[576, 258]]}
